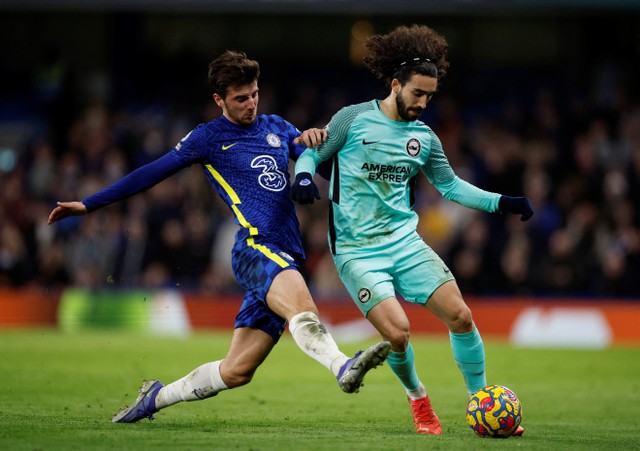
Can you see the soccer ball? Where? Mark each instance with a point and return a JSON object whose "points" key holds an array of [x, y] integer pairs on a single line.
{"points": [[494, 411]]}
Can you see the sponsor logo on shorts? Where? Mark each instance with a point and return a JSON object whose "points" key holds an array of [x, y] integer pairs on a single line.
{"points": [[364, 295]]}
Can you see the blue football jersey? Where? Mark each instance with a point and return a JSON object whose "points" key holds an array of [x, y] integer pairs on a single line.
{"points": [[249, 168]]}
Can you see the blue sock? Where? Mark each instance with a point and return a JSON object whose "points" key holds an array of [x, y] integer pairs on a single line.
{"points": [[403, 366], [468, 352]]}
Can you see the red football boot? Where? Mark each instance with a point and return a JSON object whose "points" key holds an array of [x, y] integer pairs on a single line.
{"points": [[424, 417]]}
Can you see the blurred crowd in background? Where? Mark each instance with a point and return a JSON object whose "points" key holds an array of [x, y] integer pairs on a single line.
{"points": [[574, 152]]}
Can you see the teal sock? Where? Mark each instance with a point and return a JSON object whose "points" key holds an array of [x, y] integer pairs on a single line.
{"points": [[403, 366], [468, 352]]}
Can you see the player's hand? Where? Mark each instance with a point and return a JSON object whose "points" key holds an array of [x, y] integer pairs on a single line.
{"points": [[516, 205], [312, 137], [303, 190], [66, 209]]}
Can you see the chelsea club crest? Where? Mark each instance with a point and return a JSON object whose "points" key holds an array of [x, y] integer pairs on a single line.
{"points": [[273, 140]]}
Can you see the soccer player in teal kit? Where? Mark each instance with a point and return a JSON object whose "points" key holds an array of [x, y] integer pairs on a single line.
{"points": [[377, 149], [245, 157]]}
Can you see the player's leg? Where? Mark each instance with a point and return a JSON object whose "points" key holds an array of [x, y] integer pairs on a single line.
{"points": [[370, 284], [271, 278], [289, 297], [389, 318], [418, 272], [467, 346], [466, 343], [257, 330], [423, 278], [249, 347]]}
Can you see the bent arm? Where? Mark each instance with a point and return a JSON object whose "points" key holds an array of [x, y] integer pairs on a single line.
{"points": [[308, 162], [337, 130], [312, 138]]}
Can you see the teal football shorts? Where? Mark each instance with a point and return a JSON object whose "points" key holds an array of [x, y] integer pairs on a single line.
{"points": [[408, 267]]}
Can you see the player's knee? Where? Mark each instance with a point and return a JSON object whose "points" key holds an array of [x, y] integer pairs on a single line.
{"points": [[238, 378], [460, 321], [236, 375], [399, 339]]}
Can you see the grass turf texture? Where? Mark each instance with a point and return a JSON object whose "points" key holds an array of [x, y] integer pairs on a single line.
{"points": [[60, 390]]}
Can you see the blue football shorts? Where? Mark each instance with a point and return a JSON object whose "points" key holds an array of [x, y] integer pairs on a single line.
{"points": [[255, 266], [408, 267]]}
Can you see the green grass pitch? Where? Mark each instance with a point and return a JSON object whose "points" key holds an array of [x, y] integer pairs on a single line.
{"points": [[59, 390]]}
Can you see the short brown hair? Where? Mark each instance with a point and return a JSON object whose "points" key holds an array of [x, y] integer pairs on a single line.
{"points": [[231, 69]]}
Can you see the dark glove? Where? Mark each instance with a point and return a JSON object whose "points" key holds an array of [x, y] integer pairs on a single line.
{"points": [[303, 190], [516, 205]]}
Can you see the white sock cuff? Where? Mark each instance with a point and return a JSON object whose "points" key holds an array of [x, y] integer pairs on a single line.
{"points": [[301, 318], [418, 393], [216, 378]]}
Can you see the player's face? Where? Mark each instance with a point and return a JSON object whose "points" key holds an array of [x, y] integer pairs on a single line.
{"points": [[412, 98], [240, 105]]}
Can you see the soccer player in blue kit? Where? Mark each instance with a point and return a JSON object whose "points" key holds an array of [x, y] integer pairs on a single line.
{"points": [[377, 149], [245, 157]]}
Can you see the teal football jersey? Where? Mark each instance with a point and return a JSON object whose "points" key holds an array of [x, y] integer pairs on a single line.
{"points": [[375, 160]]}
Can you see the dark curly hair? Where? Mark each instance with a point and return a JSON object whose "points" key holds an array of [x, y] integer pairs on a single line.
{"points": [[407, 51], [232, 69]]}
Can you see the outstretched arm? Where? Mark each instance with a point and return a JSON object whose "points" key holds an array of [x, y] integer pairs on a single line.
{"points": [[137, 181], [441, 175]]}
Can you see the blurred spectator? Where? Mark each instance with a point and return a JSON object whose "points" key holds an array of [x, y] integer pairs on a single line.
{"points": [[13, 256]]}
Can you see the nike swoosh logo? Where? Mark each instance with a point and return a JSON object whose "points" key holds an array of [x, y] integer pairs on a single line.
{"points": [[365, 142], [229, 146]]}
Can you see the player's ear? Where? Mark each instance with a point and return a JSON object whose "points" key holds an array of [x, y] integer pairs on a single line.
{"points": [[395, 85], [218, 99]]}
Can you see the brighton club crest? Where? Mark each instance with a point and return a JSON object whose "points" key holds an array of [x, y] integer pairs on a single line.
{"points": [[413, 147]]}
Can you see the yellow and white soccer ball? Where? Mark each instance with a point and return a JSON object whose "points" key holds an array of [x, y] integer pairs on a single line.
{"points": [[494, 411]]}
